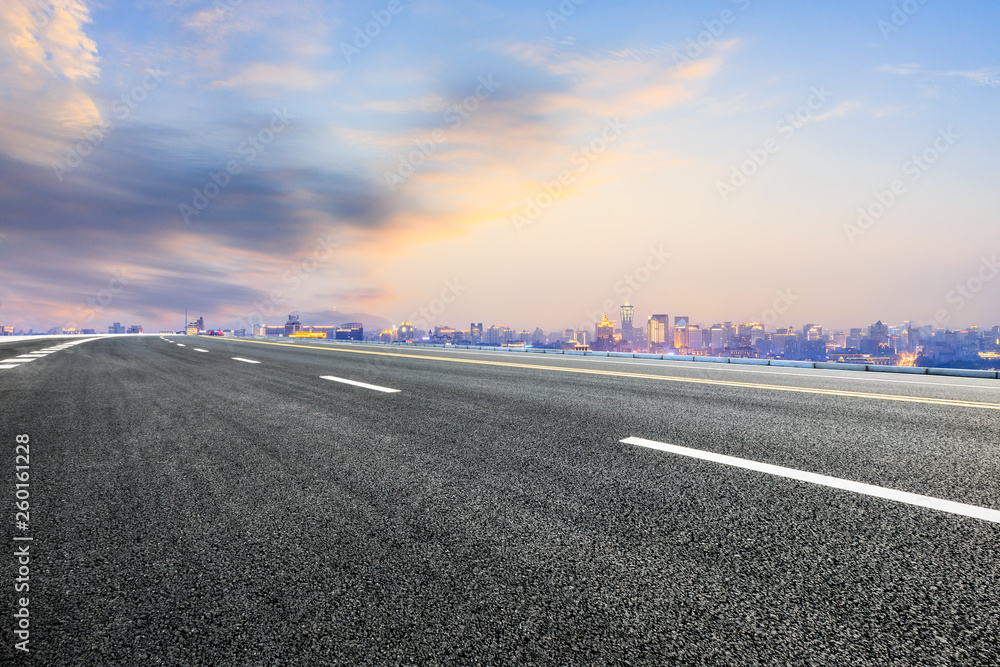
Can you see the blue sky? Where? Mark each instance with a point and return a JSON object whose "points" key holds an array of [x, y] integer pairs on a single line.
{"points": [[117, 115]]}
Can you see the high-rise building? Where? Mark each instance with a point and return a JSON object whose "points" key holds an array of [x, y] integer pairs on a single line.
{"points": [[695, 341], [292, 325], [627, 312], [604, 333], [681, 331], [476, 333], [346, 331], [657, 327]]}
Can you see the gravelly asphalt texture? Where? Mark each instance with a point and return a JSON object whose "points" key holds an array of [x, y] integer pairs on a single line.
{"points": [[189, 509]]}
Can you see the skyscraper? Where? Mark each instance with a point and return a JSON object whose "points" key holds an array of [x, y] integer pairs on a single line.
{"points": [[627, 311], [681, 331], [656, 330], [292, 325], [604, 333]]}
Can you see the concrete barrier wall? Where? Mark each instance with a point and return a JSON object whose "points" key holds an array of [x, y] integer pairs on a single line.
{"points": [[781, 363]]}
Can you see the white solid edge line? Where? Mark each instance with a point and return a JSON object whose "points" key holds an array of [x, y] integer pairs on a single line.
{"points": [[918, 500], [363, 385], [246, 361]]}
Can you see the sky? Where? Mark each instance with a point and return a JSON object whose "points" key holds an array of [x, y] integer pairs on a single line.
{"points": [[521, 163]]}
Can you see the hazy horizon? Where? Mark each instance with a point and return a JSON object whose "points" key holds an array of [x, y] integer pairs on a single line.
{"points": [[522, 162]]}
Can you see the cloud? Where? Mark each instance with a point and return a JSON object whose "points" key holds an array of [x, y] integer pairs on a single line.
{"points": [[48, 57], [269, 76], [981, 77], [905, 69]]}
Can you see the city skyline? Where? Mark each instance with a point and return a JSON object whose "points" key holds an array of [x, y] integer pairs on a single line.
{"points": [[238, 156]]}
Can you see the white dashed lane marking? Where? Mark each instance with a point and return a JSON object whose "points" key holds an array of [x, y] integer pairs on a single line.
{"points": [[918, 500]]}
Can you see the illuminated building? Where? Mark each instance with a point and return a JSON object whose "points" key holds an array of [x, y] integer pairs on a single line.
{"points": [[695, 340], [406, 332], [350, 331], [476, 333], [627, 312], [604, 334], [657, 327], [681, 331], [292, 325]]}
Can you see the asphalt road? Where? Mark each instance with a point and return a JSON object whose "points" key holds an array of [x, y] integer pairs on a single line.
{"points": [[190, 508]]}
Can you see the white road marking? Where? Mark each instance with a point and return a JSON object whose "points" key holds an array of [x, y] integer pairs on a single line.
{"points": [[6, 366], [246, 361], [198, 349], [361, 384], [181, 345], [825, 480], [19, 360]]}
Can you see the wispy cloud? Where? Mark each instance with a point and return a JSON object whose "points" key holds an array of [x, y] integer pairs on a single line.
{"points": [[980, 77], [269, 76], [47, 58]]}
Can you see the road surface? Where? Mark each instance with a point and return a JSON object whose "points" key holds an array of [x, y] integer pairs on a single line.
{"points": [[197, 500]]}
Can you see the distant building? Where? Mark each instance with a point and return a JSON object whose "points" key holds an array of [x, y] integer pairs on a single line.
{"points": [[259, 329], [695, 341], [116, 328], [657, 327], [350, 331], [406, 332], [681, 338], [476, 333], [135, 329], [604, 334], [627, 312], [292, 325]]}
